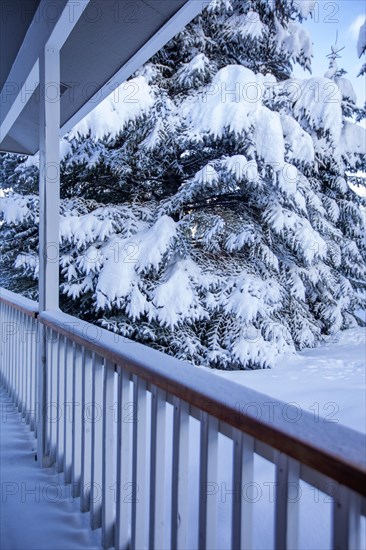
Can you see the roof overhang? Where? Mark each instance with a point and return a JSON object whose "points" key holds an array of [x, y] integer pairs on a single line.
{"points": [[101, 42]]}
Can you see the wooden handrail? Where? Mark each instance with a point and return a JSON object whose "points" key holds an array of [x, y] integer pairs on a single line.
{"points": [[335, 451], [332, 449], [19, 302]]}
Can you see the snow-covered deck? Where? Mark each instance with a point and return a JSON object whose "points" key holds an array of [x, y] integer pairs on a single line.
{"points": [[37, 509]]}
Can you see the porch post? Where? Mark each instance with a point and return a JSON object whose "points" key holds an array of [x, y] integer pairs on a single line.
{"points": [[49, 204]]}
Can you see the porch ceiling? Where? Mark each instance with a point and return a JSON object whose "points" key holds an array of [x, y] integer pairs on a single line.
{"points": [[109, 42]]}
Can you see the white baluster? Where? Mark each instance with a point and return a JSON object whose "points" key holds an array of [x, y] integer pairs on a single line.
{"points": [[97, 451], [287, 499], [109, 448], [242, 508], [180, 475], [126, 418], [139, 467], [207, 526], [346, 520]]}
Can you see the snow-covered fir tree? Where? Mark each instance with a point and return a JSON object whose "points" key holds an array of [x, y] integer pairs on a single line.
{"points": [[206, 208]]}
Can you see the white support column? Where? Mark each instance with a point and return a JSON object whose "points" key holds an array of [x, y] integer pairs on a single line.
{"points": [[49, 179], [49, 205]]}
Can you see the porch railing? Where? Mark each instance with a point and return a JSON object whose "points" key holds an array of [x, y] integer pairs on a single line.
{"points": [[117, 421]]}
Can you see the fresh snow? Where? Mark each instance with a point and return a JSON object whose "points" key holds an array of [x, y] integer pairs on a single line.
{"points": [[128, 102], [14, 209], [227, 103], [173, 305], [335, 372], [319, 101], [248, 24], [352, 141], [38, 511], [126, 258], [296, 41], [300, 142], [196, 67]]}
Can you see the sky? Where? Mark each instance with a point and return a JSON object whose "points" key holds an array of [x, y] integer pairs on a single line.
{"points": [[346, 17]]}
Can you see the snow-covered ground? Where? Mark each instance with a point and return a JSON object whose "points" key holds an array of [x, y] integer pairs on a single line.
{"points": [[329, 381]]}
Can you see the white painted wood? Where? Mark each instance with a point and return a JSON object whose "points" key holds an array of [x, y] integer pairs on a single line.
{"points": [[28, 368], [242, 502], [33, 360], [207, 523], [17, 363], [49, 179], [8, 346], [4, 347], [124, 487], [76, 420], [139, 457], [287, 498], [86, 430], [35, 356], [180, 475], [5, 364], [9, 355], [97, 437], [109, 453], [61, 348], [49, 205], [66, 23], [52, 405], [67, 410], [11, 352], [157, 470], [41, 397], [346, 521], [8, 339], [48, 351], [16, 358], [22, 365], [51, 396]]}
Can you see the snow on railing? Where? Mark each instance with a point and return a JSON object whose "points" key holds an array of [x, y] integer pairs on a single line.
{"points": [[118, 421]]}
